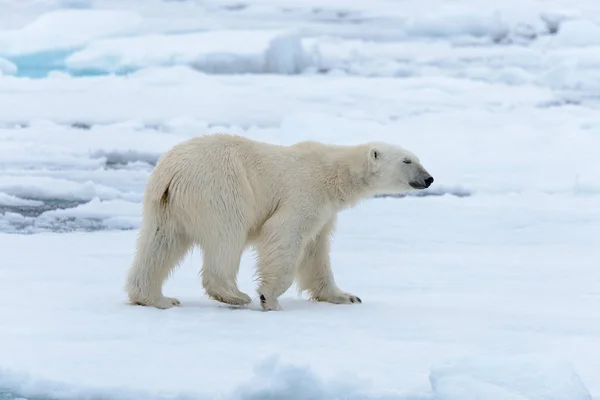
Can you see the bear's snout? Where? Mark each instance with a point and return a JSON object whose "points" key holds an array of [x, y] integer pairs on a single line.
{"points": [[424, 184]]}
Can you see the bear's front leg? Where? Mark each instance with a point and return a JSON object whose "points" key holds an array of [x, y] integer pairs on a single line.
{"points": [[279, 248], [315, 275]]}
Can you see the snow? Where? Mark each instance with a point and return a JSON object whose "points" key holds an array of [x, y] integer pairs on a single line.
{"points": [[7, 200], [224, 52], [66, 29], [231, 38], [514, 378], [501, 281], [578, 33], [483, 286]]}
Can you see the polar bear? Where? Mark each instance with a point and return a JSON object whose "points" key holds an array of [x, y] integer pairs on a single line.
{"points": [[225, 193]]}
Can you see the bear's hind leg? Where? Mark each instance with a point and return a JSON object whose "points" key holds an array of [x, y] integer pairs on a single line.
{"points": [[314, 273], [158, 252], [219, 272]]}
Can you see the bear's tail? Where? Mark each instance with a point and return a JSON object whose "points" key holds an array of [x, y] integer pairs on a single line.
{"points": [[164, 196], [158, 194]]}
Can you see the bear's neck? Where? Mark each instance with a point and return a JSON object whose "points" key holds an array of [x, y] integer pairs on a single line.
{"points": [[351, 179]]}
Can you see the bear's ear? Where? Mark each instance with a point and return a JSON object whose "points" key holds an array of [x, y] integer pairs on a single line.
{"points": [[375, 153]]}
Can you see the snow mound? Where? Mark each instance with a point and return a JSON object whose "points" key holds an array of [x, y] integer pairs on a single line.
{"points": [[516, 378], [458, 24], [275, 380], [491, 26], [225, 52], [47, 188], [91, 216], [8, 200], [577, 33], [66, 29], [112, 214]]}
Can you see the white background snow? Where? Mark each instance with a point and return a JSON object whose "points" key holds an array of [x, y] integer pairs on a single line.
{"points": [[487, 287]]}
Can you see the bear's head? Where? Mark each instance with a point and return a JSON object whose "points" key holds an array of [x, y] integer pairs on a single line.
{"points": [[394, 169]]}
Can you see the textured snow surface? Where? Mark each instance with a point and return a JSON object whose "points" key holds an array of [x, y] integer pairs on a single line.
{"points": [[484, 286]]}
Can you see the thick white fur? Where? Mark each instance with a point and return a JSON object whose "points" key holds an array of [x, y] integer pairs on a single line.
{"points": [[224, 193]]}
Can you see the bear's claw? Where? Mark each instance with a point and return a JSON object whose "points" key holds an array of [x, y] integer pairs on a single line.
{"points": [[173, 301], [269, 305], [339, 298], [355, 299]]}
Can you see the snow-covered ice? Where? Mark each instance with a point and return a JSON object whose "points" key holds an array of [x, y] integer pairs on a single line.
{"points": [[485, 286], [445, 278]]}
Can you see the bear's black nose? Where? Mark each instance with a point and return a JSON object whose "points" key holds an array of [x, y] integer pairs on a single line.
{"points": [[428, 181]]}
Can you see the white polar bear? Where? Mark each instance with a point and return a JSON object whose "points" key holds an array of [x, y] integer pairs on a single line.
{"points": [[225, 192]]}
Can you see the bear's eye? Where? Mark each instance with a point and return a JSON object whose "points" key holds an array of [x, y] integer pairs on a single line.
{"points": [[407, 161], [376, 154]]}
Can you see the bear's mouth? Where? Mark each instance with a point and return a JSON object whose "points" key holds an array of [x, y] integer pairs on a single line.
{"points": [[417, 185]]}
